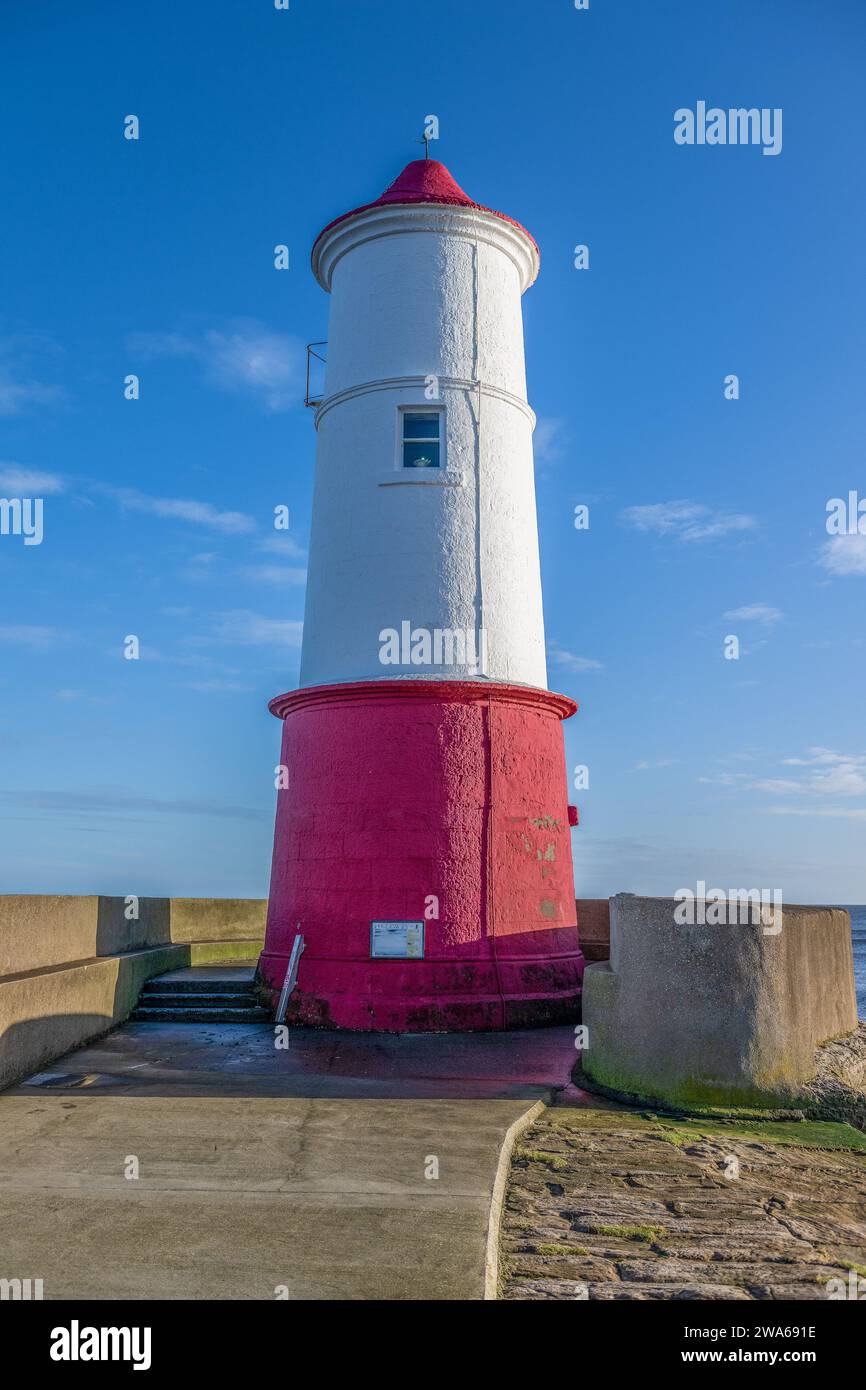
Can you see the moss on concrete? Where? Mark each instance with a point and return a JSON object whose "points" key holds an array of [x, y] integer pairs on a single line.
{"points": [[209, 952], [552, 1160], [649, 1234], [812, 1134], [692, 1094], [680, 1129]]}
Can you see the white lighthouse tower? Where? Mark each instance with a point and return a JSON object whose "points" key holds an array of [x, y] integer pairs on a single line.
{"points": [[423, 839]]}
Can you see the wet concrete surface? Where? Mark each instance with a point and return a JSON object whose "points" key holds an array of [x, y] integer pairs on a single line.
{"points": [[346, 1166]]}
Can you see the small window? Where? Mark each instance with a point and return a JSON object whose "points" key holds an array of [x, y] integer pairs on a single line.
{"points": [[421, 442]]}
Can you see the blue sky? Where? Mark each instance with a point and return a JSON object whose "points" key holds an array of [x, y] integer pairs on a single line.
{"points": [[156, 257]]}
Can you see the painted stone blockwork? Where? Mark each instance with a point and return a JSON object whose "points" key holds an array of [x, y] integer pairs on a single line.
{"points": [[401, 792]]}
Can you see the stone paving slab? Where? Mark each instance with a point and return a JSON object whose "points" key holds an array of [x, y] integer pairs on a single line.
{"points": [[606, 1202]]}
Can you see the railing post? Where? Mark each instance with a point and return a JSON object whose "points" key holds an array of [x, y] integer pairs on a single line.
{"points": [[291, 977], [311, 352]]}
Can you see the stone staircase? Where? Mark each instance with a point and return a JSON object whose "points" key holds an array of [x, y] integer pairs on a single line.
{"points": [[201, 994]]}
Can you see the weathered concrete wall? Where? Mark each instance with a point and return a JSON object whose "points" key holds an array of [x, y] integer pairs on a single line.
{"points": [[39, 930], [716, 1014], [72, 967], [218, 919], [115, 933], [45, 1013]]}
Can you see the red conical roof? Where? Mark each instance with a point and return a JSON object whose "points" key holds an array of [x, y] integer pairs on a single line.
{"points": [[424, 181]]}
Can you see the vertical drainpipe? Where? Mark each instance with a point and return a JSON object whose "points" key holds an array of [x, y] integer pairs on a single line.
{"points": [[490, 895]]}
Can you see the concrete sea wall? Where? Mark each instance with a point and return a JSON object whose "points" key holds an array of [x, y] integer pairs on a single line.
{"points": [[716, 1014], [72, 967], [593, 925]]}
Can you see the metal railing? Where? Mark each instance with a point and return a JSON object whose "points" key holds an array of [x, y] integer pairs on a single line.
{"points": [[291, 977], [309, 398]]}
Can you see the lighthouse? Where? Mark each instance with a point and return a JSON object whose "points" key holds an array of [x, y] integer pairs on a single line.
{"points": [[422, 842]]}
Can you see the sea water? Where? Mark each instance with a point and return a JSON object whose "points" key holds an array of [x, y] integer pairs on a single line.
{"points": [[858, 934]]}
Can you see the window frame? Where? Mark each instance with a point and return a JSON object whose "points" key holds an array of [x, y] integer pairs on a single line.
{"points": [[426, 409], [443, 476]]}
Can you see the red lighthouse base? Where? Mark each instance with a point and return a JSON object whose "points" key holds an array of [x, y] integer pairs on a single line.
{"points": [[434, 802]]}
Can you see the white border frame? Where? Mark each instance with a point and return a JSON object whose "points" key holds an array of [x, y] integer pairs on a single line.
{"points": [[443, 476]]}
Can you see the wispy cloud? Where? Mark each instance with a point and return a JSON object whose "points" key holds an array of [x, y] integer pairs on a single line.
{"points": [[274, 574], [16, 481], [219, 687], [755, 613], [197, 659], [28, 482], [68, 697], [644, 766], [181, 509], [109, 802], [282, 544], [686, 521], [570, 662], [36, 639], [242, 355], [844, 555], [726, 779], [201, 566], [547, 440], [254, 630], [23, 358], [825, 773]]}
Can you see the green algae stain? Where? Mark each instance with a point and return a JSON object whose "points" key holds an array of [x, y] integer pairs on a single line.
{"points": [[812, 1134], [555, 1161], [554, 1249], [644, 1233]]}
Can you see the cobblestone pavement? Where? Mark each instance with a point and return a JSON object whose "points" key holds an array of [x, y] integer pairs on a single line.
{"points": [[606, 1202]]}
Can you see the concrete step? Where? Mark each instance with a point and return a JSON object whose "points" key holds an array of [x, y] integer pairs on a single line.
{"points": [[236, 999], [148, 1014], [210, 994], [213, 985]]}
